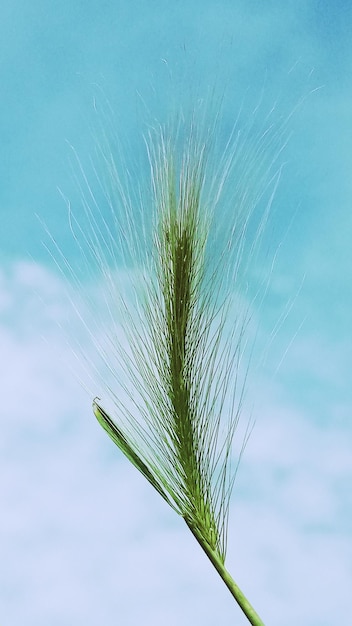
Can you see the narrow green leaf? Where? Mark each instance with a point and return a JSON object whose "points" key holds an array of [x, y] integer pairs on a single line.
{"points": [[120, 440]]}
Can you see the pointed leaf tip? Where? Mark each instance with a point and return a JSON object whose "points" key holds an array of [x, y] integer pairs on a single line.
{"points": [[120, 440]]}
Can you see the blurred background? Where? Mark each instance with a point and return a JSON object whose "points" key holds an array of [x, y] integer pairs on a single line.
{"points": [[83, 538]]}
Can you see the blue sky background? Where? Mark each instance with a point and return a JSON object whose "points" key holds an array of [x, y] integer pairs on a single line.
{"points": [[83, 538]]}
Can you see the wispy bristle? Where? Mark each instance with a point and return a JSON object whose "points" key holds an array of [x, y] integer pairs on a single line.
{"points": [[182, 391], [168, 359]]}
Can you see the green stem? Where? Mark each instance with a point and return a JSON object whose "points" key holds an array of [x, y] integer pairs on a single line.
{"points": [[240, 598]]}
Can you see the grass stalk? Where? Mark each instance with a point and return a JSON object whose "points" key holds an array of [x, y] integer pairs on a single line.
{"points": [[179, 388], [234, 589]]}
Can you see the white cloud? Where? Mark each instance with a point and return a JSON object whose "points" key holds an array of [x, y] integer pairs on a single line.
{"points": [[85, 538]]}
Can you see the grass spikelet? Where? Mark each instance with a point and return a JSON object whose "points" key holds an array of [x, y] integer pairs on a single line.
{"points": [[179, 320], [174, 380]]}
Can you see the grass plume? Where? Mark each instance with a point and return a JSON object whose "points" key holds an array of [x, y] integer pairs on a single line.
{"points": [[175, 379]]}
